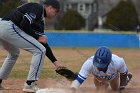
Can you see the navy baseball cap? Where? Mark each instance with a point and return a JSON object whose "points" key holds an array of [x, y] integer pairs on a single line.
{"points": [[102, 57], [54, 3]]}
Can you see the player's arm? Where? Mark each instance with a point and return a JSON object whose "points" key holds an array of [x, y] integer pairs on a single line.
{"points": [[123, 74], [123, 81], [51, 56], [83, 74], [39, 29], [49, 53], [25, 25], [30, 17], [123, 78]]}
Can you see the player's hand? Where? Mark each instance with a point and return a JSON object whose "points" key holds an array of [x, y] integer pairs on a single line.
{"points": [[73, 90], [43, 39], [58, 65]]}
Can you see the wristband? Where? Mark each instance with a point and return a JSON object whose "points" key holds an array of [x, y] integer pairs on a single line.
{"points": [[122, 88]]}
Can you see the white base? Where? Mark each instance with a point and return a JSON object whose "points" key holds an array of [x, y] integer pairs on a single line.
{"points": [[50, 90]]}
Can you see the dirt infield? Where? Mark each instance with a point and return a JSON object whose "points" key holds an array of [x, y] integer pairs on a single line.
{"points": [[132, 57], [15, 86]]}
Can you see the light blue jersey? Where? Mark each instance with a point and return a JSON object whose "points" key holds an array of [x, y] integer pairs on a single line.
{"points": [[116, 66]]}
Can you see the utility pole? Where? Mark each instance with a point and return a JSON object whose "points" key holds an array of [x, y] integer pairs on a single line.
{"points": [[98, 16], [29, 0], [37, 1]]}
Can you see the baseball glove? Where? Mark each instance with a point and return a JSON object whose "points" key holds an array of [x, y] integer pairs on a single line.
{"points": [[67, 73]]}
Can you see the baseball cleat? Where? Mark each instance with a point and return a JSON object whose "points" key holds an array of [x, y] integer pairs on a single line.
{"points": [[30, 88]]}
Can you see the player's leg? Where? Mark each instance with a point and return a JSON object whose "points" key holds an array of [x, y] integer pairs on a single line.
{"points": [[20, 39], [13, 53], [115, 83], [38, 50], [33, 46]]}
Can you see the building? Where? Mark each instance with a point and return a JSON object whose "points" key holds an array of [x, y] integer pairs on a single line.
{"points": [[94, 11], [87, 8]]}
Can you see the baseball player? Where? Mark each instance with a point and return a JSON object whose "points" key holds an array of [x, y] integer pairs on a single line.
{"points": [[107, 69], [23, 28]]}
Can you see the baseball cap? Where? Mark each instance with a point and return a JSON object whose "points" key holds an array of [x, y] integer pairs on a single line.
{"points": [[102, 57], [54, 3]]}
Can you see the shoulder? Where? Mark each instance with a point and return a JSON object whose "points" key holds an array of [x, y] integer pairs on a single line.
{"points": [[31, 3], [117, 58], [34, 5], [86, 67], [88, 64], [33, 9], [117, 61], [89, 61]]}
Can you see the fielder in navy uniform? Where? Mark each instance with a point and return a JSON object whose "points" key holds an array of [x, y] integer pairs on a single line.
{"points": [[107, 69], [23, 28]]}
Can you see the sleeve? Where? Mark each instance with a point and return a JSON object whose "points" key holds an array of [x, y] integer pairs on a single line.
{"points": [[123, 68], [26, 27], [31, 16], [49, 53], [39, 28], [83, 74]]}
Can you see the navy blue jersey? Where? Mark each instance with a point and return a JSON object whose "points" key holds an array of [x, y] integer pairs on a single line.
{"points": [[29, 18]]}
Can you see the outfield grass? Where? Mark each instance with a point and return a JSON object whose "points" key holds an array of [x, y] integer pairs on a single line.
{"points": [[73, 58]]}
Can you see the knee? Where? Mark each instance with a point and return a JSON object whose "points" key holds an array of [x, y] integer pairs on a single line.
{"points": [[14, 55], [42, 50]]}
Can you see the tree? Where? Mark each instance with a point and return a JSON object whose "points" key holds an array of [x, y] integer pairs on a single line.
{"points": [[124, 16], [72, 20]]}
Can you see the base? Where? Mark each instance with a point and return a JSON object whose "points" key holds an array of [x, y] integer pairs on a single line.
{"points": [[51, 90]]}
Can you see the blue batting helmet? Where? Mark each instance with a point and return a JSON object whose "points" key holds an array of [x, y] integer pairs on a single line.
{"points": [[102, 57]]}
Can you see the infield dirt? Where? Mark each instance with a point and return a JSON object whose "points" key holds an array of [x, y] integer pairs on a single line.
{"points": [[74, 59]]}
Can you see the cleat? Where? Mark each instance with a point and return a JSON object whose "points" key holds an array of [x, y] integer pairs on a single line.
{"points": [[30, 88]]}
